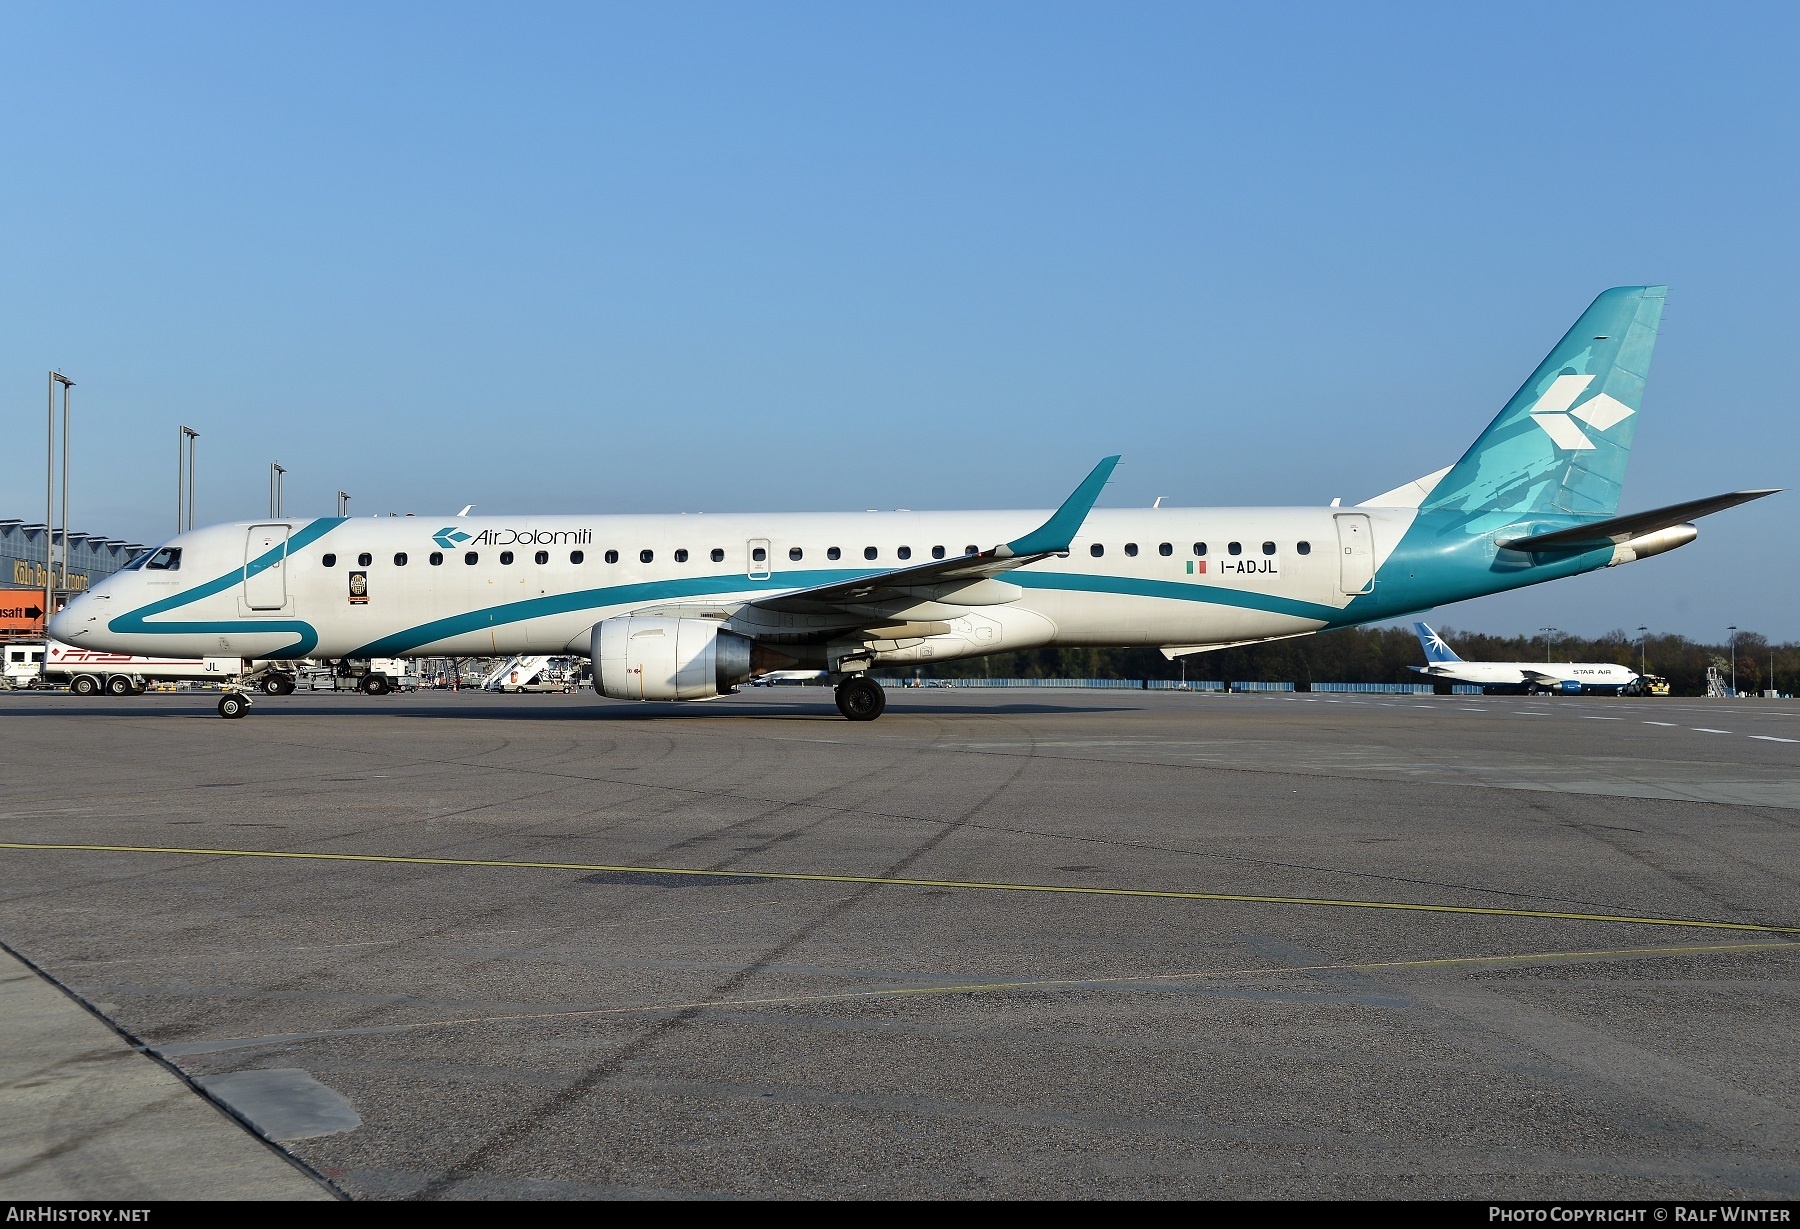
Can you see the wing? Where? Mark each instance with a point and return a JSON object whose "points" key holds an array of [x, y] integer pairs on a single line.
{"points": [[935, 590], [964, 577]]}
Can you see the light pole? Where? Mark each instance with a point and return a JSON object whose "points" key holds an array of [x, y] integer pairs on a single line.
{"points": [[1643, 650], [1548, 632], [343, 503], [1733, 630], [275, 473], [56, 377], [184, 462]]}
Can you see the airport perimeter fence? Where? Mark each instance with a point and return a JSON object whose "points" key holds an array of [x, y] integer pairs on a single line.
{"points": [[1213, 685]]}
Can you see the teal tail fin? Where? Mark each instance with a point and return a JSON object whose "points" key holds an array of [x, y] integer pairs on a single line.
{"points": [[1560, 446]]}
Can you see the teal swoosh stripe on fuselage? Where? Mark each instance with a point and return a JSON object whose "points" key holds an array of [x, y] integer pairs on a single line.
{"points": [[1173, 590], [709, 586], [134, 622], [584, 599]]}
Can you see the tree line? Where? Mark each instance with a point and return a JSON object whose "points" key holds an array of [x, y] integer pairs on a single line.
{"points": [[1382, 655]]}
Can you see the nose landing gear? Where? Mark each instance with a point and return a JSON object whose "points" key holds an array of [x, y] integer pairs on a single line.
{"points": [[233, 705], [860, 698]]}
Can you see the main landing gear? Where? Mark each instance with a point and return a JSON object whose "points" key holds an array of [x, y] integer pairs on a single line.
{"points": [[860, 698]]}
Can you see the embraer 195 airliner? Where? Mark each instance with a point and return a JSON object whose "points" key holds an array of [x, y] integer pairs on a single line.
{"points": [[687, 607]]}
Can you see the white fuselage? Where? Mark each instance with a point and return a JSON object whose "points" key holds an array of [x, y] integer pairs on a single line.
{"points": [[393, 586], [1521, 673]]}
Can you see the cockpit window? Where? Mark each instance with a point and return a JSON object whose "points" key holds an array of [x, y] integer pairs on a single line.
{"points": [[137, 561], [168, 559]]}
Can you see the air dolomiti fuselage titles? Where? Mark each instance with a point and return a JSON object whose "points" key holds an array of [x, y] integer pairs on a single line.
{"points": [[685, 607]]}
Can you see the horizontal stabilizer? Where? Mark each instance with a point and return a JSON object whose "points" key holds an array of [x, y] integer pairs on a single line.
{"points": [[1619, 529]]}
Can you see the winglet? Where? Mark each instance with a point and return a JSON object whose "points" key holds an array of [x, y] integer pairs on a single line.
{"points": [[1055, 534]]}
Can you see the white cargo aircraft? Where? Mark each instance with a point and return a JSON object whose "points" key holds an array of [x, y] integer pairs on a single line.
{"points": [[687, 607], [1557, 677]]}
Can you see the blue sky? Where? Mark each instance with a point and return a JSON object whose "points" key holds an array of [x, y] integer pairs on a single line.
{"points": [[794, 256]]}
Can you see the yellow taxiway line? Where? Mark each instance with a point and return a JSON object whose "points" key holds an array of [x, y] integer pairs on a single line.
{"points": [[884, 881]]}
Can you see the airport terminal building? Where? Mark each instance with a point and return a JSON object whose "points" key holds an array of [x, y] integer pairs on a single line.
{"points": [[23, 554]]}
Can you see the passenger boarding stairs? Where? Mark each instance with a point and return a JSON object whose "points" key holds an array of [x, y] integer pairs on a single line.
{"points": [[515, 673]]}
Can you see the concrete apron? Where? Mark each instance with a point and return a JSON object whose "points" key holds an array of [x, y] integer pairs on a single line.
{"points": [[84, 1116]]}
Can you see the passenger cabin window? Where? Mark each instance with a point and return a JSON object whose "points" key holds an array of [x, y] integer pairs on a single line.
{"points": [[869, 552], [937, 552], [364, 560], [1268, 548], [976, 550], [329, 561], [1303, 548], [506, 558], [168, 559], [905, 552], [400, 559], [542, 557], [1096, 550], [612, 556], [471, 558], [646, 556], [681, 555], [1165, 548], [1236, 548], [834, 553], [718, 556], [1131, 549], [437, 558], [577, 557], [1199, 550], [795, 553]]}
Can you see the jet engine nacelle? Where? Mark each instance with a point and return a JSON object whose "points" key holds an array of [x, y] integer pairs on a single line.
{"points": [[653, 657]]}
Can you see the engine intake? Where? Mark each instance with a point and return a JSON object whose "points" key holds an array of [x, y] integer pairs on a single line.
{"points": [[654, 657]]}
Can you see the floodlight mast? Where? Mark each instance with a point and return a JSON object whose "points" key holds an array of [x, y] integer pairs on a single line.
{"points": [[50, 586]]}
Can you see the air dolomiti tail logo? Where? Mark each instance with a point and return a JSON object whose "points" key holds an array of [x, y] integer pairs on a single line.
{"points": [[450, 536], [1553, 414]]}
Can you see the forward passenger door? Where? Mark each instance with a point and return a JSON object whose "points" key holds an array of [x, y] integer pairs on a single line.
{"points": [[265, 568]]}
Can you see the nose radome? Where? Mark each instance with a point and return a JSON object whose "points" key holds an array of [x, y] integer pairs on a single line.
{"points": [[76, 617]]}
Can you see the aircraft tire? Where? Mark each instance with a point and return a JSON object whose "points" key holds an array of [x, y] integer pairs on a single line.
{"points": [[861, 698], [277, 685], [83, 685], [118, 685], [232, 706], [377, 684]]}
